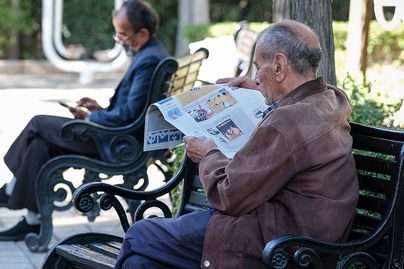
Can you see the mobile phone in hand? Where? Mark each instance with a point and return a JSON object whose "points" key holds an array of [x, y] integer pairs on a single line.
{"points": [[64, 104]]}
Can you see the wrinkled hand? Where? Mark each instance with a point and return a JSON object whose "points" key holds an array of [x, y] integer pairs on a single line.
{"points": [[79, 113], [197, 148], [244, 82], [224, 80], [88, 103]]}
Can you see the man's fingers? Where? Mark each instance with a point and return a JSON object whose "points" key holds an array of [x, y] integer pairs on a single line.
{"points": [[224, 80]]}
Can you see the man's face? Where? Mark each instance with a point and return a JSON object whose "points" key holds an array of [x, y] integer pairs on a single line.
{"points": [[124, 33], [265, 76]]}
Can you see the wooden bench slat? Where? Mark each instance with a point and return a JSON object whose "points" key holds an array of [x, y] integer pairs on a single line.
{"points": [[199, 199], [365, 222], [371, 164], [114, 244], [385, 146], [197, 183], [376, 185], [189, 59], [372, 204], [105, 249], [190, 208], [78, 254]]}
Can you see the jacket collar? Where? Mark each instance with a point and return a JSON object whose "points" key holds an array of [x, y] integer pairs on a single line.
{"points": [[306, 89], [151, 42]]}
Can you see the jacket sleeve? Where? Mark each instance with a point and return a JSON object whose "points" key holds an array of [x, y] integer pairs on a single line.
{"points": [[259, 170], [131, 108]]}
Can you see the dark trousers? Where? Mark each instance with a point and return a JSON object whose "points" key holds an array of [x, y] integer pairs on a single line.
{"points": [[38, 142], [161, 243]]}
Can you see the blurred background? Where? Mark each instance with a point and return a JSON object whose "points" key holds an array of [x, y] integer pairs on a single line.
{"points": [[86, 32], [70, 53]]}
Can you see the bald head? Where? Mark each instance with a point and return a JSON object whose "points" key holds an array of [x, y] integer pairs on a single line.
{"points": [[294, 39]]}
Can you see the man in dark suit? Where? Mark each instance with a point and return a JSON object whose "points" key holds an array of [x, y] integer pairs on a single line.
{"points": [[135, 24]]}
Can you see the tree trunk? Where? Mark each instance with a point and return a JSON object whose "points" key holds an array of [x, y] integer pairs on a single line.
{"points": [[190, 12], [360, 12], [317, 15], [280, 10], [14, 50]]}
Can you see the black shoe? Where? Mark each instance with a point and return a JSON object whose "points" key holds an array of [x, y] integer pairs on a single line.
{"points": [[19, 231], [3, 196]]}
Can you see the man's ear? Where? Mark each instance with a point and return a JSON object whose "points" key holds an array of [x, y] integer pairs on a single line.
{"points": [[145, 33], [281, 66]]}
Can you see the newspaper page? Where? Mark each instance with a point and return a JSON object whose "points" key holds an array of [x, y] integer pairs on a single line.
{"points": [[228, 115]]}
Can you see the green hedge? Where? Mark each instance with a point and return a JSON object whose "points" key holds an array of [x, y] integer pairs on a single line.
{"points": [[386, 46], [369, 106]]}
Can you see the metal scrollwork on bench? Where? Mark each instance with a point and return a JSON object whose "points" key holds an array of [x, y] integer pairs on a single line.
{"points": [[85, 203], [76, 132], [279, 259], [107, 201], [125, 148], [152, 204], [357, 257], [303, 258], [306, 257], [59, 191]]}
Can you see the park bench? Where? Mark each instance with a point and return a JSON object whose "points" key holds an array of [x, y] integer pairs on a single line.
{"points": [[129, 160], [375, 240], [245, 39]]}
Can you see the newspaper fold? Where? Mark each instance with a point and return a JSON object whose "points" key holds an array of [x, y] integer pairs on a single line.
{"points": [[228, 115]]}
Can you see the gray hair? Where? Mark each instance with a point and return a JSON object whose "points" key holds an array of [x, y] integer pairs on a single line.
{"points": [[303, 55]]}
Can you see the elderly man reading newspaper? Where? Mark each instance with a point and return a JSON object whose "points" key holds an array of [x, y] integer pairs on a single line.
{"points": [[295, 174]]}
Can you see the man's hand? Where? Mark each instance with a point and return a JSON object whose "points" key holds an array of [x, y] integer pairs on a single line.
{"points": [[224, 80], [89, 104], [197, 148], [79, 113], [242, 82]]}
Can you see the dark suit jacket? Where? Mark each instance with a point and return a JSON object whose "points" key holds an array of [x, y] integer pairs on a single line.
{"points": [[131, 94]]}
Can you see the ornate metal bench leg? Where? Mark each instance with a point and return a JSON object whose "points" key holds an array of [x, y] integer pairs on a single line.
{"points": [[51, 187], [39, 242]]}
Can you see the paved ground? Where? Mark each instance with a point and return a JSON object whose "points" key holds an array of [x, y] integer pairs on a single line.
{"points": [[21, 97]]}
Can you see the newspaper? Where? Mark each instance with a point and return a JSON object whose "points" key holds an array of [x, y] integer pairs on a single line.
{"points": [[228, 115]]}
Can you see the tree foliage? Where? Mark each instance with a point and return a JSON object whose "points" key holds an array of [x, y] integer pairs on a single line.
{"points": [[88, 22], [19, 25], [96, 33], [367, 107]]}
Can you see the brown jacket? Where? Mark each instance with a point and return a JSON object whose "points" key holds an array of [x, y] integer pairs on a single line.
{"points": [[296, 175]]}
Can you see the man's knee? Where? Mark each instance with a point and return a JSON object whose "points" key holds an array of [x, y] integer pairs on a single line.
{"points": [[37, 119], [139, 229]]}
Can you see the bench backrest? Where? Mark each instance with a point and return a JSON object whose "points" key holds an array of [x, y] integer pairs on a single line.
{"points": [[173, 76], [378, 155], [187, 74], [245, 39]]}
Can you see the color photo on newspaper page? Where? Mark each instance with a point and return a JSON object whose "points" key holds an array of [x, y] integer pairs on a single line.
{"points": [[226, 114]]}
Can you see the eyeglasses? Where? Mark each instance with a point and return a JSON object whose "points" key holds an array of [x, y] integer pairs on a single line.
{"points": [[116, 36]]}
